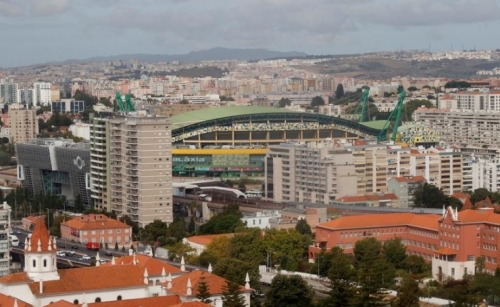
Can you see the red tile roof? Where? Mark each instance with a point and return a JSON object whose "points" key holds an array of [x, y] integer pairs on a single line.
{"points": [[429, 221], [93, 222], [15, 278], [159, 301], [467, 204], [216, 283], [192, 304], [207, 239], [446, 251], [92, 278], [8, 301], [40, 240], [154, 266], [61, 303], [485, 203], [368, 197]]}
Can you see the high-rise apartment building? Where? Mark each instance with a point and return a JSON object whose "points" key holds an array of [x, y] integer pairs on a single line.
{"points": [[99, 166], [25, 96], [140, 163], [23, 123], [5, 229], [316, 172], [9, 92], [42, 93]]}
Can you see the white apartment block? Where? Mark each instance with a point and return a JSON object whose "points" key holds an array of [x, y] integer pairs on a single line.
{"points": [[471, 101], [313, 172], [140, 158], [463, 128], [9, 92], [42, 94], [5, 229], [99, 166], [25, 96], [481, 172]]}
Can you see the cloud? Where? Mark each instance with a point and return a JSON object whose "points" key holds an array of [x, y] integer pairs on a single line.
{"points": [[9, 8], [49, 7]]}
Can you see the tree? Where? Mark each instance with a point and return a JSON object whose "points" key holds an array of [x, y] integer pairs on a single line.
{"points": [[203, 293], [479, 194], [341, 274], [395, 252], [286, 247], [79, 204], [387, 95], [153, 232], [457, 84], [429, 196], [127, 220], [400, 89], [317, 101], [184, 101], [225, 222], [191, 226], [339, 92], [116, 246], [414, 264], [284, 102], [226, 98], [412, 89], [480, 264], [231, 295], [303, 227], [55, 225], [5, 159], [290, 291], [412, 105], [408, 294]]}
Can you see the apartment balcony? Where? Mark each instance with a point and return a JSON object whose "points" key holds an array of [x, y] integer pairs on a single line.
{"points": [[132, 172]]}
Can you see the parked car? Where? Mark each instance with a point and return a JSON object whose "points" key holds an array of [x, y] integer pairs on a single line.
{"points": [[102, 261], [60, 254], [69, 253], [109, 253], [86, 257], [74, 246]]}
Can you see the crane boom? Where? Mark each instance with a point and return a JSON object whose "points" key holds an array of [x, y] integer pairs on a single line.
{"points": [[126, 106], [394, 116], [366, 93]]}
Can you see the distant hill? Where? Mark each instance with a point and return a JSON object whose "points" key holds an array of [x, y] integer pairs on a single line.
{"points": [[214, 54]]}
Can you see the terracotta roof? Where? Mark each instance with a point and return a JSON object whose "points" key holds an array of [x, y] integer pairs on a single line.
{"points": [[215, 283], [207, 239], [461, 195], [429, 221], [8, 301], [15, 278], [485, 203], [368, 197], [159, 301], [92, 278], [467, 204], [410, 179], [446, 251], [40, 240], [61, 303], [154, 266], [192, 304], [94, 221]]}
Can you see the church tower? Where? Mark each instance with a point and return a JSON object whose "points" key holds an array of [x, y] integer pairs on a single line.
{"points": [[40, 260]]}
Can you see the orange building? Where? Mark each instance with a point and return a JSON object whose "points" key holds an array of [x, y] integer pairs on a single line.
{"points": [[451, 241]]}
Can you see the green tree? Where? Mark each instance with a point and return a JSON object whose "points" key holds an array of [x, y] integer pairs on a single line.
{"points": [[225, 222], [408, 294], [203, 291], [415, 264], [284, 102], [184, 101], [479, 194], [341, 275], [290, 291], [412, 89], [395, 252], [317, 101], [176, 231], [127, 220], [89, 100], [339, 92], [480, 265], [286, 245], [235, 270], [191, 226], [457, 84], [5, 159], [412, 105], [303, 227], [400, 89], [231, 295], [153, 232], [55, 225], [429, 196]]}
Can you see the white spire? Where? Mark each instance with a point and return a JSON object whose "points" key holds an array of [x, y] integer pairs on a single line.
{"points": [[456, 213], [49, 247], [54, 242], [39, 245], [188, 290], [15, 303], [134, 261], [163, 275], [113, 262], [209, 268], [247, 282], [169, 279], [444, 210], [97, 260], [26, 243], [29, 245], [183, 268], [146, 275]]}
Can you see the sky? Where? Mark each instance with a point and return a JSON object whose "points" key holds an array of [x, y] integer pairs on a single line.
{"points": [[38, 31]]}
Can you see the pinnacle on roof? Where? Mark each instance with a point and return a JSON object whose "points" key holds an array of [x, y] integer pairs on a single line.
{"points": [[40, 238]]}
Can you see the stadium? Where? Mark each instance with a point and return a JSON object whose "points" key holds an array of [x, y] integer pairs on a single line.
{"points": [[231, 141]]}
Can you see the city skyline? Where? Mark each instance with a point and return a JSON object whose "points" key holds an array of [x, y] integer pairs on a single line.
{"points": [[57, 30]]}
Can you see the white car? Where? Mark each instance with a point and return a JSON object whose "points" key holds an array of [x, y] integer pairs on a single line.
{"points": [[103, 261], [60, 254], [86, 257]]}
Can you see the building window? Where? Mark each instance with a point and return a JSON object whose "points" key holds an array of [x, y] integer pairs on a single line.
{"points": [[119, 298], [44, 263], [97, 299], [34, 263], [75, 302]]}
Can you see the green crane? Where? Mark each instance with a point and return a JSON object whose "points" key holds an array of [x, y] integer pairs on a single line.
{"points": [[363, 103], [127, 106], [394, 116]]}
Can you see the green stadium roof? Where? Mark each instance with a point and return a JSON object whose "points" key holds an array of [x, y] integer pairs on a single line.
{"points": [[193, 117], [376, 124]]}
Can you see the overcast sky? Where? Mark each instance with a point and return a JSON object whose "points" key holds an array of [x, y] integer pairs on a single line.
{"points": [[36, 31]]}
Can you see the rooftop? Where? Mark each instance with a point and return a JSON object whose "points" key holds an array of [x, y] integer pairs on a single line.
{"points": [[207, 239], [216, 283], [94, 221], [193, 117], [154, 266]]}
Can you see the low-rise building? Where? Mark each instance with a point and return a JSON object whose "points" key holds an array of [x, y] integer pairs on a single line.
{"points": [[199, 243], [97, 228], [259, 219], [387, 200], [404, 188]]}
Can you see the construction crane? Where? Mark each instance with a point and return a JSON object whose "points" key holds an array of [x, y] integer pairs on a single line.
{"points": [[127, 106], [364, 105], [395, 117]]}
